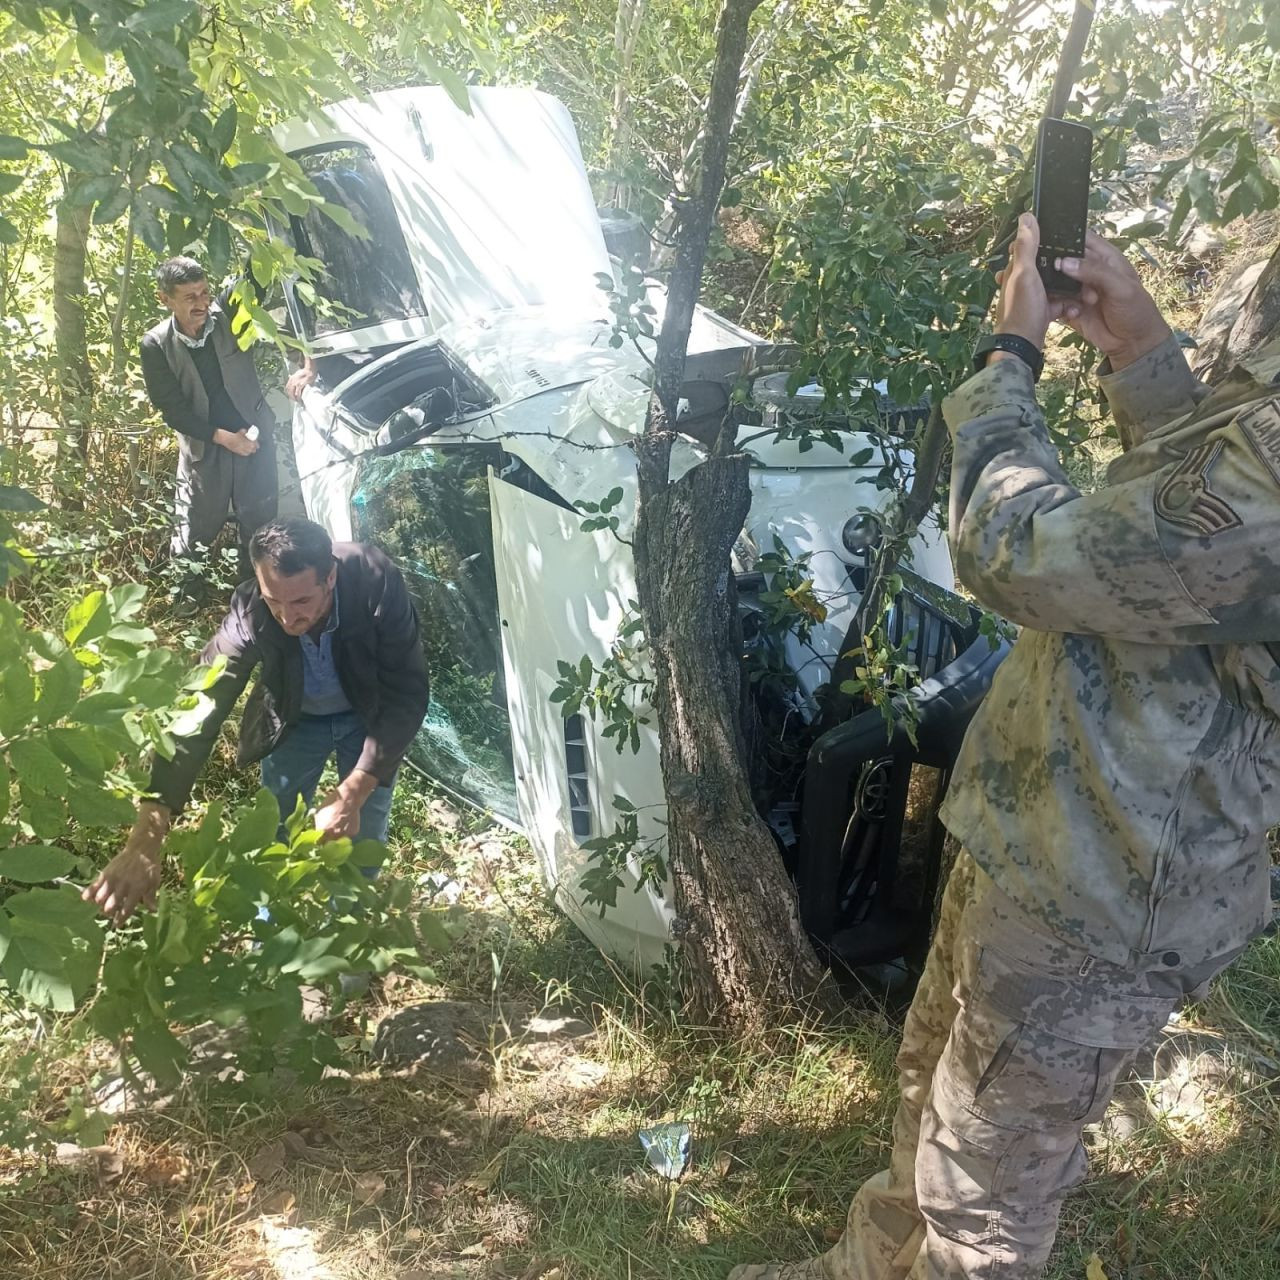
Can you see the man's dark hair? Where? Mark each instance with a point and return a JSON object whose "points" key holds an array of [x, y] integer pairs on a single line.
{"points": [[169, 275], [290, 546]]}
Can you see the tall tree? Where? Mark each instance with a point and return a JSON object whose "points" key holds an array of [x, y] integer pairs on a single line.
{"points": [[737, 920]]}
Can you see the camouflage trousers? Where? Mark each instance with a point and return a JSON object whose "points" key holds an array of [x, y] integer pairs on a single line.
{"points": [[1014, 1042]]}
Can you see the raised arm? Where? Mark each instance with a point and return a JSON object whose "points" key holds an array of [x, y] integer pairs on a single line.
{"points": [[1170, 556]]}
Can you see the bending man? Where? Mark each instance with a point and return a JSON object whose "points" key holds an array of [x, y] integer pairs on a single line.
{"points": [[343, 675]]}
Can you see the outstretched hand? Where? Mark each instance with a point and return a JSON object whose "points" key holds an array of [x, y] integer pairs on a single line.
{"points": [[128, 881], [132, 877]]}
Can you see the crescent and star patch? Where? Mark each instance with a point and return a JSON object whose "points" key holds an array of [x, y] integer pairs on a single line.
{"points": [[1261, 428], [1186, 498]]}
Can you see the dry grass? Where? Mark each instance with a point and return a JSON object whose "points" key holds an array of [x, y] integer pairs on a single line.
{"points": [[526, 1163]]}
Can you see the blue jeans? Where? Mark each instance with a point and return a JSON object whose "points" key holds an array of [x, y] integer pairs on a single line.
{"points": [[293, 769]]}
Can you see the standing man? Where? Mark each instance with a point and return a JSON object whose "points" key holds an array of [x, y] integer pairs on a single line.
{"points": [[1115, 788], [343, 675], [206, 388]]}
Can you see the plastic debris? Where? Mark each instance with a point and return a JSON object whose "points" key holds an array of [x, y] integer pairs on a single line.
{"points": [[667, 1148]]}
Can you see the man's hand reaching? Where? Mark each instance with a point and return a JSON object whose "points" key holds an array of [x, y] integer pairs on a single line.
{"points": [[1113, 312], [300, 379], [133, 875], [339, 813]]}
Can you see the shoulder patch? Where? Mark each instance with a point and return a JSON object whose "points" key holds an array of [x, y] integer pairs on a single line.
{"points": [[1186, 499], [1261, 427]]}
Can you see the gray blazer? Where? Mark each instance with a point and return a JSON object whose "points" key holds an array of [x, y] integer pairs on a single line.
{"points": [[174, 385]]}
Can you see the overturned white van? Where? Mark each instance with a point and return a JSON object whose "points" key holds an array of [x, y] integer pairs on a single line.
{"points": [[469, 397]]}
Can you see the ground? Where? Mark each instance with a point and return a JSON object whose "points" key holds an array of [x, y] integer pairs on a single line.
{"points": [[512, 1150]]}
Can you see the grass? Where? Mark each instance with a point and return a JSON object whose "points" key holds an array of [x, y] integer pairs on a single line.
{"points": [[528, 1165]]}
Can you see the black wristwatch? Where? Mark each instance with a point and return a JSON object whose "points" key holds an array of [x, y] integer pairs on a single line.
{"points": [[1015, 345]]}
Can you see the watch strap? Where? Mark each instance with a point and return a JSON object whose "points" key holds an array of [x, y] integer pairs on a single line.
{"points": [[1015, 345]]}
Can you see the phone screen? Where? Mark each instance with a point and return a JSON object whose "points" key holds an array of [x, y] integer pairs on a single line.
{"points": [[1061, 202]]}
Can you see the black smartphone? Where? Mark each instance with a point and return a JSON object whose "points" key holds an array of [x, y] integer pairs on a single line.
{"points": [[1060, 203]]}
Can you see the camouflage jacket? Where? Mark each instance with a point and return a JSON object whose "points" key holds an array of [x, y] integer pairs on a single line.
{"points": [[1120, 777]]}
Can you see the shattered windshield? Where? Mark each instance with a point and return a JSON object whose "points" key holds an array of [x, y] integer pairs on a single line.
{"points": [[428, 508], [371, 280]]}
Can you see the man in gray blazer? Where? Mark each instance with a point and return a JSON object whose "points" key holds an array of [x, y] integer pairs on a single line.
{"points": [[206, 388]]}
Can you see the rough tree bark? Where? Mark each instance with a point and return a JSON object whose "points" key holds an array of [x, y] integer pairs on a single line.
{"points": [[71, 241], [745, 951]]}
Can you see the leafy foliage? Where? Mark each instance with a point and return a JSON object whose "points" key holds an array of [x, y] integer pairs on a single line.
{"points": [[619, 690], [254, 917], [622, 850]]}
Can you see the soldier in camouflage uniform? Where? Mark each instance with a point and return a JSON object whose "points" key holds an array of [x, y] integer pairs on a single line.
{"points": [[1114, 790]]}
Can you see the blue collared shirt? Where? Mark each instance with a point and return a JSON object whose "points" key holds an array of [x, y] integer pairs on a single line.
{"points": [[322, 693]]}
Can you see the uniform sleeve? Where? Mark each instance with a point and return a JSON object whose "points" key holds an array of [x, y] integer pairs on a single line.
{"points": [[167, 396], [1166, 557], [1151, 392]]}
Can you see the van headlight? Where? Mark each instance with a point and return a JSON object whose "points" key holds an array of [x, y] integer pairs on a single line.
{"points": [[861, 533]]}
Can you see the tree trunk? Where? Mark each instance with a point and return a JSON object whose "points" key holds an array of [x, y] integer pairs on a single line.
{"points": [[119, 356], [71, 344], [745, 951], [749, 68], [746, 954], [626, 32]]}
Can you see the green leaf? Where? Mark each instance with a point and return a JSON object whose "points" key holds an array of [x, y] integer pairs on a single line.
{"points": [[17, 698], [112, 208], [126, 600], [12, 148], [10, 182], [35, 863], [9, 234], [159, 15], [201, 168], [87, 619], [59, 689], [36, 765], [179, 178], [159, 1052], [257, 826], [91, 57], [149, 229], [248, 175], [78, 749], [99, 807], [431, 927], [12, 498], [368, 853], [218, 239], [143, 71], [84, 154], [224, 129], [46, 814], [62, 906], [101, 709]]}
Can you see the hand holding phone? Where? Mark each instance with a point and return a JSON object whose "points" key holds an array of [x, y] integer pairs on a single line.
{"points": [[1060, 201]]}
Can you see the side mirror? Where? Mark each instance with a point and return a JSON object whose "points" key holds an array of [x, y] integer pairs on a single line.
{"points": [[625, 236]]}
